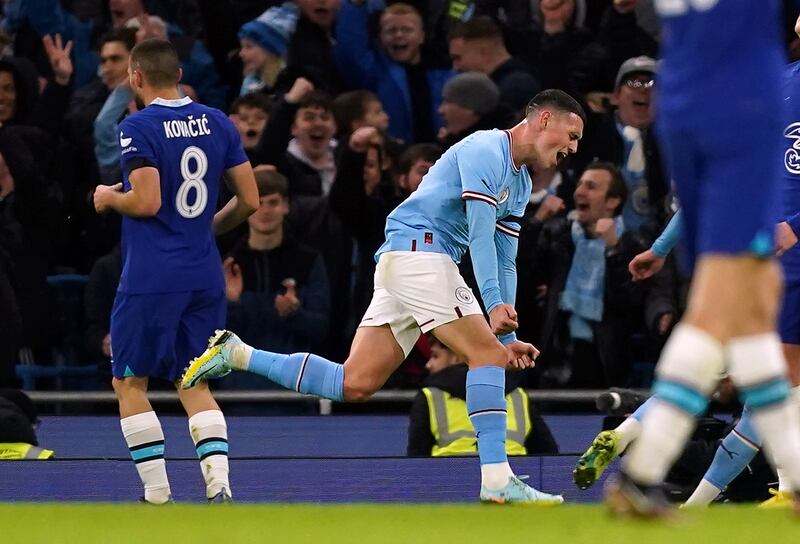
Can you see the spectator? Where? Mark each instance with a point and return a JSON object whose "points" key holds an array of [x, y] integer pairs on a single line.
{"points": [[98, 300], [250, 114], [412, 166], [18, 415], [32, 208], [299, 140], [264, 43], [623, 137], [470, 102], [440, 425], [409, 89], [10, 243], [88, 100], [311, 48], [590, 305], [477, 46], [277, 288], [355, 109]]}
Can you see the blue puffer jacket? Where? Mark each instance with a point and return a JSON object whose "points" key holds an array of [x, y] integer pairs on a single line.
{"points": [[364, 67]]}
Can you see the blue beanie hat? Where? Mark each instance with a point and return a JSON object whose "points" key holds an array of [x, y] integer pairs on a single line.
{"points": [[273, 28]]}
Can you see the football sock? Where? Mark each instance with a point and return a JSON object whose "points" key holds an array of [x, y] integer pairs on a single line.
{"points": [[302, 372], [146, 443], [758, 369], [486, 405], [630, 429], [210, 435]]}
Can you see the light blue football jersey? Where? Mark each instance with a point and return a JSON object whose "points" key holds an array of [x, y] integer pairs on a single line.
{"points": [[434, 217]]}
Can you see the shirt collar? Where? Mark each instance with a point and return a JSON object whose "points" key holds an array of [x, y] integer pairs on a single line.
{"points": [[177, 103]]}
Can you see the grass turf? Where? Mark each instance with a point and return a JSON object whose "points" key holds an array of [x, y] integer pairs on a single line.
{"points": [[569, 524]]}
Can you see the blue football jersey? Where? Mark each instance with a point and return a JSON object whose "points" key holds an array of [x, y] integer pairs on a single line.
{"points": [[719, 57], [790, 156], [191, 145], [434, 217]]}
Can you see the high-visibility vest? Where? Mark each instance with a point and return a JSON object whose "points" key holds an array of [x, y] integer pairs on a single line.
{"points": [[453, 430], [13, 451]]}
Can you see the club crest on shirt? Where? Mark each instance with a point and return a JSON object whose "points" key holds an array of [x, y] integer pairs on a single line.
{"points": [[464, 295], [503, 195]]}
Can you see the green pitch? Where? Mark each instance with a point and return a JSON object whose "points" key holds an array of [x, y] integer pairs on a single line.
{"points": [[352, 524]]}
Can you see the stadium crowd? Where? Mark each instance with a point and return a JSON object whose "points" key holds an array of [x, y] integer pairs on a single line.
{"points": [[342, 106]]}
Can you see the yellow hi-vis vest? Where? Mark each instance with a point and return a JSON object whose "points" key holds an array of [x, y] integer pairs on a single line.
{"points": [[12, 451], [453, 430]]}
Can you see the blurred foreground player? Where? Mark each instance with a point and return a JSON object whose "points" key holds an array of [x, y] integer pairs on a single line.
{"points": [[721, 154], [171, 295], [472, 198]]}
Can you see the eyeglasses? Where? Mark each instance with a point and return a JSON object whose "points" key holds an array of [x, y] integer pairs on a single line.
{"points": [[639, 84]]}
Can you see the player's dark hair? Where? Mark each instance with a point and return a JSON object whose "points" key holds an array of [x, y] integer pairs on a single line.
{"points": [[417, 152], [616, 187], [252, 100], [270, 182], [351, 106], [477, 28], [317, 99], [158, 62], [126, 36], [557, 99]]}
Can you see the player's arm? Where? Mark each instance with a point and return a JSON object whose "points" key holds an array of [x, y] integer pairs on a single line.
{"points": [[242, 182], [143, 199], [506, 240], [648, 263]]}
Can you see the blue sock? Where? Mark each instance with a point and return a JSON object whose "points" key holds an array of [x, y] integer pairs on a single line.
{"points": [[303, 372], [640, 411], [486, 404], [734, 453]]}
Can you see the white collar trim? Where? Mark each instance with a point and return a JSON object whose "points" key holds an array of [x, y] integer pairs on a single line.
{"points": [[177, 103]]}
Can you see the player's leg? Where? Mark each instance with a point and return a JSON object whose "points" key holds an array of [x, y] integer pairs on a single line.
{"points": [[386, 335], [135, 350], [471, 338], [207, 427], [734, 453]]}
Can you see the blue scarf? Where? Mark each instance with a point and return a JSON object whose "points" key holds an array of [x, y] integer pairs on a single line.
{"points": [[583, 294]]}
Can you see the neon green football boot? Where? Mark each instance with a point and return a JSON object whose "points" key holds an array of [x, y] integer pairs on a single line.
{"points": [[596, 459]]}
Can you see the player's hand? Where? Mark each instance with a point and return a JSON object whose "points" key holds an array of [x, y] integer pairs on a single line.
{"points": [[300, 89], [625, 6], [550, 206], [234, 284], [521, 355], [107, 345], [104, 196], [606, 229], [288, 303], [645, 265], [785, 238], [58, 55], [503, 319], [364, 138]]}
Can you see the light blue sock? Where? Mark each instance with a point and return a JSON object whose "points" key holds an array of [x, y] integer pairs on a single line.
{"points": [[640, 411], [735, 452], [486, 405], [303, 372]]}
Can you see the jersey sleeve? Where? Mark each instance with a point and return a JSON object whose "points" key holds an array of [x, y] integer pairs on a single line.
{"points": [[480, 165], [669, 238], [235, 154], [136, 149]]}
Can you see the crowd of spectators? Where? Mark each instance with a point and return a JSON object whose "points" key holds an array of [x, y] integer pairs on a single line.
{"points": [[342, 106]]}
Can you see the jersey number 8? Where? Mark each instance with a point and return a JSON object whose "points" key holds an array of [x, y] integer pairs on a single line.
{"points": [[192, 179], [671, 8]]}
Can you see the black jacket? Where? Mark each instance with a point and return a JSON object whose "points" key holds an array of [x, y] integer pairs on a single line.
{"points": [[254, 316], [550, 265], [453, 380], [516, 83], [98, 300]]}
